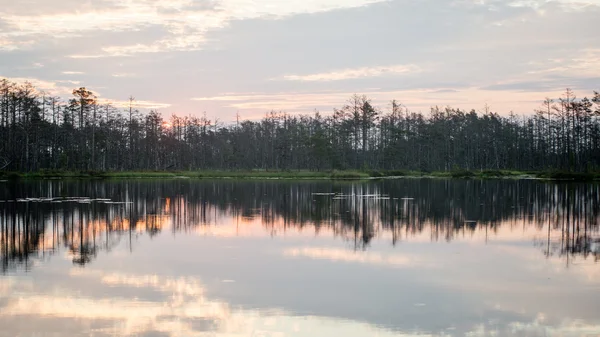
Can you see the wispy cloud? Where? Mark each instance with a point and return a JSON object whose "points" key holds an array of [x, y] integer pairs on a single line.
{"points": [[15, 42], [141, 104], [73, 72], [414, 99], [346, 74], [123, 75], [86, 56], [344, 255], [184, 21], [465, 45], [50, 87], [69, 82], [586, 63], [58, 88]]}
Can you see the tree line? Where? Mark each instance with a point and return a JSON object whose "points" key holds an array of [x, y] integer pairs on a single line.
{"points": [[40, 131]]}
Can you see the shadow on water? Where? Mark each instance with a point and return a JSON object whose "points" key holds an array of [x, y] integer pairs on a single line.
{"points": [[39, 219]]}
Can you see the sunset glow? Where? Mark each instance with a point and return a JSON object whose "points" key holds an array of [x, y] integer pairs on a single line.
{"points": [[185, 54]]}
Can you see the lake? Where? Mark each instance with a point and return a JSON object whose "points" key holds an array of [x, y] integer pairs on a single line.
{"points": [[404, 257]]}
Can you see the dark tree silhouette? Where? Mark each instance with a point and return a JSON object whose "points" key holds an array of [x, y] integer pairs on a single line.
{"points": [[565, 214], [42, 132]]}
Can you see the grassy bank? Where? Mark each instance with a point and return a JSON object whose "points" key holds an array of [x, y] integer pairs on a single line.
{"points": [[335, 175], [454, 174], [496, 174], [54, 174]]}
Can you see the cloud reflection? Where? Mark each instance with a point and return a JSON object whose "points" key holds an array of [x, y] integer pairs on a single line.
{"points": [[344, 255], [476, 273], [182, 309]]}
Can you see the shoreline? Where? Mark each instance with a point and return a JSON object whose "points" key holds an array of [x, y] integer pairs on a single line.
{"points": [[302, 175]]}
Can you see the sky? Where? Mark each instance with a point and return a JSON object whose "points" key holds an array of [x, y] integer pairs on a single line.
{"points": [[224, 57]]}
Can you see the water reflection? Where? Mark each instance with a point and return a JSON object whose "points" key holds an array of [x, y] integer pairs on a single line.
{"points": [[390, 258], [179, 308], [39, 219]]}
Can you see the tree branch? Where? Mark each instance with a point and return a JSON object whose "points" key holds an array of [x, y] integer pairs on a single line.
{"points": [[5, 162]]}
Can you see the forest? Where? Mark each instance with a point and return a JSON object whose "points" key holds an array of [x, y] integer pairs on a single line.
{"points": [[44, 132]]}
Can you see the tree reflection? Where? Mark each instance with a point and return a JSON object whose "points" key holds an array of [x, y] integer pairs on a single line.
{"points": [[84, 218]]}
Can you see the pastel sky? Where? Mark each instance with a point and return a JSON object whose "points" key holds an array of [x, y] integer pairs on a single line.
{"points": [[251, 56]]}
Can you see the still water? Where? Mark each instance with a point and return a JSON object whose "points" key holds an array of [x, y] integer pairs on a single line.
{"points": [[403, 257]]}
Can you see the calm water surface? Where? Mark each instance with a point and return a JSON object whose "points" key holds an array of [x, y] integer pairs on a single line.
{"points": [[267, 258]]}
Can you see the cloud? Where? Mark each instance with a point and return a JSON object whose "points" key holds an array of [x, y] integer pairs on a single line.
{"points": [[57, 88], [9, 44], [82, 56], [415, 100], [531, 86], [586, 63], [186, 21], [73, 73], [537, 327], [509, 54], [344, 255], [346, 74], [69, 82], [49, 87], [443, 91], [139, 104], [123, 75]]}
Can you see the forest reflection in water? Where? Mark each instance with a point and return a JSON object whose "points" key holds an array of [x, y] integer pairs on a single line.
{"points": [[38, 219], [406, 257]]}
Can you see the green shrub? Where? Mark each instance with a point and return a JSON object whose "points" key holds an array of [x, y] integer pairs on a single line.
{"points": [[462, 174], [348, 175], [12, 176], [376, 174], [566, 175], [397, 173], [492, 173]]}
